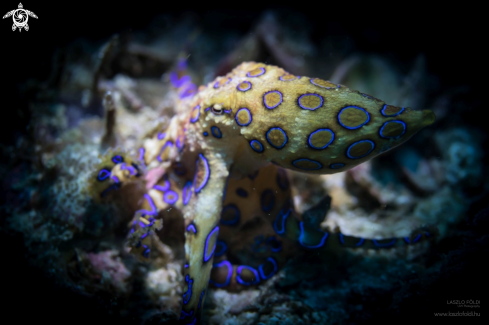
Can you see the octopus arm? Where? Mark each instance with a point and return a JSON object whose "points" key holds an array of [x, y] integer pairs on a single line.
{"points": [[202, 229]]}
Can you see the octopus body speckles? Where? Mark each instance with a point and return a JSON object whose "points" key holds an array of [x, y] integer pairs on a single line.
{"points": [[244, 86], [323, 83], [276, 137], [391, 111], [256, 72], [194, 115], [353, 117], [202, 173], [272, 99], [216, 132], [307, 164], [256, 146], [392, 129], [360, 149], [310, 101], [210, 244], [243, 117], [230, 215], [320, 139]]}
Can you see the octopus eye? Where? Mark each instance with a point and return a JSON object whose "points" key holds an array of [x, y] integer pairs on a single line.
{"points": [[217, 109]]}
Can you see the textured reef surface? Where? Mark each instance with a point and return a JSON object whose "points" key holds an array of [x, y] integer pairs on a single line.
{"points": [[133, 187]]}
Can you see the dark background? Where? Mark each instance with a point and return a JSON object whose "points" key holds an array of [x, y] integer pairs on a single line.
{"points": [[452, 39]]}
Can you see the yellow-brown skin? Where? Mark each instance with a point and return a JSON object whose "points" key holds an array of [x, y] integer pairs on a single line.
{"points": [[218, 110]]}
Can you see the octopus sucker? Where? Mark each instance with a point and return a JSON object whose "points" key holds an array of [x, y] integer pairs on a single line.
{"points": [[223, 163]]}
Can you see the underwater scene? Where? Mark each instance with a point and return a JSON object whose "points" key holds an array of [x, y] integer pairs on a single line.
{"points": [[242, 167]]}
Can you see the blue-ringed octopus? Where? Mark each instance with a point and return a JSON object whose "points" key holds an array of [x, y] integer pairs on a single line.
{"points": [[225, 157]]}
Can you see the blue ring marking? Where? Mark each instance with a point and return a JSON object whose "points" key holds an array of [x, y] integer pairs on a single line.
{"points": [[200, 300], [163, 188], [269, 92], [415, 240], [280, 220], [141, 153], [283, 132], [144, 235], [161, 135], [338, 86], [262, 72], [277, 242], [258, 142], [196, 118], [153, 211], [187, 192], [236, 213], [115, 179], [296, 77], [308, 108], [146, 252], [395, 121], [103, 174], [205, 133], [131, 169], [282, 180], [275, 269], [216, 132], [313, 161], [349, 148], [301, 238], [208, 108], [117, 159], [383, 113], [185, 315], [188, 293], [240, 280], [167, 144], [207, 255], [391, 243], [320, 130], [236, 117], [354, 127], [206, 175], [222, 250], [267, 195], [186, 265], [180, 143], [227, 111], [167, 197], [191, 228], [228, 277], [241, 192], [249, 86], [360, 242], [336, 166]]}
